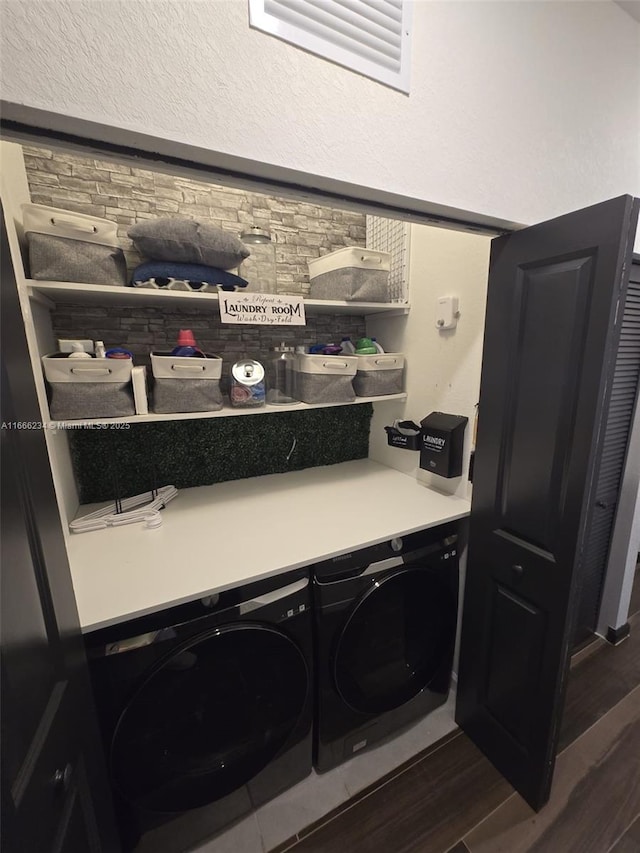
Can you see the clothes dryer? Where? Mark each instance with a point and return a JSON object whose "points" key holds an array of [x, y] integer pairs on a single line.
{"points": [[385, 620], [206, 708]]}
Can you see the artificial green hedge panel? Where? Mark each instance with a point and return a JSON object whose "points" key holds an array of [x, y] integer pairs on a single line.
{"points": [[200, 452]]}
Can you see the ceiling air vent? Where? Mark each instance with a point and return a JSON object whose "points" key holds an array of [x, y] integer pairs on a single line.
{"points": [[369, 36]]}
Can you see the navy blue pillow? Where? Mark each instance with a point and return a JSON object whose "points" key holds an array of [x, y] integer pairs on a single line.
{"points": [[197, 276]]}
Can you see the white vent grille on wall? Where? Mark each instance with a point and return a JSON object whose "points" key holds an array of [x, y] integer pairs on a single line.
{"points": [[369, 36], [391, 235]]}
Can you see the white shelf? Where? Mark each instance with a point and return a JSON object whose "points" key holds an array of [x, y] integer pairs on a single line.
{"points": [[202, 547], [101, 294], [227, 411]]}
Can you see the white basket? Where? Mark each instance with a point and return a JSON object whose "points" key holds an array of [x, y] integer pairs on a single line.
{"points": [[186, 367], [350, 256], [380, 361], [89, 387], [186, 383], [40, 219], [99, 370], [336, 365], [325, 378], [66, 246], [379, 375], [351, 274]]}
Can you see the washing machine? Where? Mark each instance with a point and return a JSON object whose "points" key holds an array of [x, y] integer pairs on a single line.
{"points": [[385, 619], [206, 709]]}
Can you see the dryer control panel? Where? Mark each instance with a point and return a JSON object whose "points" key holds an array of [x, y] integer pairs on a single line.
{"points": [[434, 543]]}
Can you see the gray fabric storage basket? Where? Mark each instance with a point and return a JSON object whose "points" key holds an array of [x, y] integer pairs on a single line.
{"points": [[376, 383], [325, 378], [352, 274], [324, 388], [186, 395], [60, 259], [69, 246], [352, 284], [88, 388], [76, 401], [186, 383], [378, 375]]}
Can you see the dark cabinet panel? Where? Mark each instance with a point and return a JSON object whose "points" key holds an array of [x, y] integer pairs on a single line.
{"points": [[554, 317], [548, 332], [513, 663], [55, 794]]}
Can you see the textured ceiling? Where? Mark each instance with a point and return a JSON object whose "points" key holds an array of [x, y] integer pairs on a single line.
{"points": [[630, 6]]}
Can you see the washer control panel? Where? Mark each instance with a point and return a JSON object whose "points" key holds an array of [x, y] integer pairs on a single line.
{"points": [[435, 543]]}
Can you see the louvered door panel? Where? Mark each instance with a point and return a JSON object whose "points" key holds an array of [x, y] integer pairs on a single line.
{"points": [[618, 425]]}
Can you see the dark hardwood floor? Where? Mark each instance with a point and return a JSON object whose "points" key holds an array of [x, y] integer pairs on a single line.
{"points": [[450, 799]]}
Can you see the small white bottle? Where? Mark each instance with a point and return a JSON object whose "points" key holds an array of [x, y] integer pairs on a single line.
{"points": [[99, 349], [377, 345], [78, 352], [347, 346]]}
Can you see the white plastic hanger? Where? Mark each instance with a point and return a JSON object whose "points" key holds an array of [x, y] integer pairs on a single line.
{"points": [[140, 508]]}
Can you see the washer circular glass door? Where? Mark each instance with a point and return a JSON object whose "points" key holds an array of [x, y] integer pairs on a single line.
{"points": [[210, 717], [394, 641]]}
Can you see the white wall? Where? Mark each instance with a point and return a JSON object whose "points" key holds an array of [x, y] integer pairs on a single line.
{"points": [[519, 110], [443, 370]]}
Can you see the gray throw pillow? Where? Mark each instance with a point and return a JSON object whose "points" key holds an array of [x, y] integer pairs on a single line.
{"points": [[188, 241]]}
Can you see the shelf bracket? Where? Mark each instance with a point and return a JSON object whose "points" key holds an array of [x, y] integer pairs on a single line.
{"points": [[400, 311], [37, 296]]}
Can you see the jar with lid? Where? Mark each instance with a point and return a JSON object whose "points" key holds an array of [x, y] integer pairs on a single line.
{"points": [[281, 375], [259, 269], [247, 384]]}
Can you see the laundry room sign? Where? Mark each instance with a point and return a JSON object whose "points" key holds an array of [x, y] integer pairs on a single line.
{"points": [[265, 309]]}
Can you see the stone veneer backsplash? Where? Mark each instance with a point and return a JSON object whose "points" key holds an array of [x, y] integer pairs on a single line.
{"points": [[147, 329], [126, 195]]}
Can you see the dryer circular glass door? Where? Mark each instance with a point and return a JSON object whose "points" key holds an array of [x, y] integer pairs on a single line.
{"points": [[210, 717], [397, 637]]}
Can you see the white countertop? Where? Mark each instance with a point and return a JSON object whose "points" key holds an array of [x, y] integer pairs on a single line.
{"points": [[217, 537]]}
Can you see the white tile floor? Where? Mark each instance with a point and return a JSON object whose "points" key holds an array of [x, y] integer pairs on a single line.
{"points": [[316, 795]]}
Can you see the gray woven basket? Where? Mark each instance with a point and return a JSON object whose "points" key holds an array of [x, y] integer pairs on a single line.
{"points": [[324, 388], [54, 258], [186, 395], [377, 383], [352, 284], [79, 400]]}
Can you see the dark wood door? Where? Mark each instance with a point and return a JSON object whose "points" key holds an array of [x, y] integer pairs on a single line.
{"points": [[553, 321], [55, 796]]}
